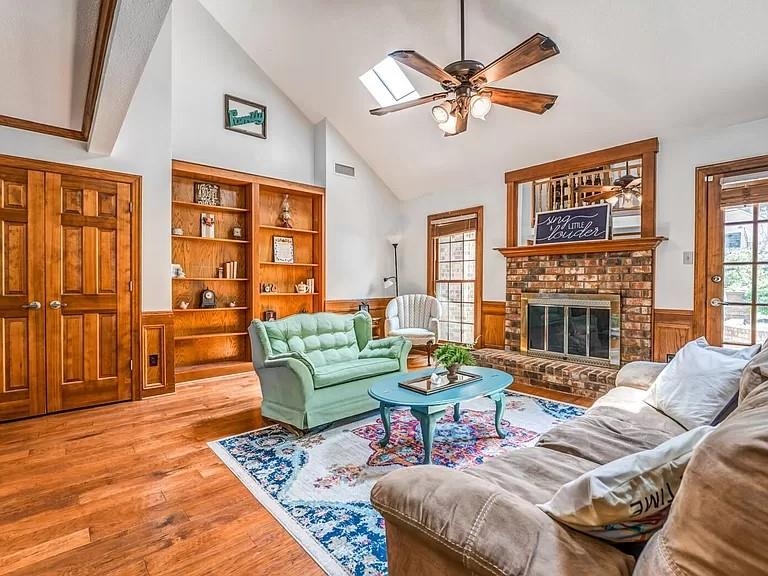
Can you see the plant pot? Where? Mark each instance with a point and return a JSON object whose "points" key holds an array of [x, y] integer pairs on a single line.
{"points": [[453, 372]]}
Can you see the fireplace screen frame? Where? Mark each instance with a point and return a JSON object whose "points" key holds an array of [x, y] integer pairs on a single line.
{"points": [[611, 302]]}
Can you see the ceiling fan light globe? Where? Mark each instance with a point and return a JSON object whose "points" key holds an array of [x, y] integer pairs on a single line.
{"points": [[441, 113], [449, 126], [479, 106]]}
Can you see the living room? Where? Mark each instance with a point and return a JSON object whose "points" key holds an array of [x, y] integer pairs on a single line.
{"points": [[458, 288]]}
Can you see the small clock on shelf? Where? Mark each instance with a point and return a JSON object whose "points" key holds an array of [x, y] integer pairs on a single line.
{"points": [[208, 299]]}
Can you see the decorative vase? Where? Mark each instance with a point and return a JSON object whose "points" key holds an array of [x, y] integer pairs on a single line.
{"points": [[453, 372]]}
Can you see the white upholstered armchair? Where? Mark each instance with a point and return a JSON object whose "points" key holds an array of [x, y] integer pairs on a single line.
{"points": [[416, 318]]}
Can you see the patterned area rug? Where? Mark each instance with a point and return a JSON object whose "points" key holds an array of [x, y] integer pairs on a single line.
{"points": [[318, 486]]}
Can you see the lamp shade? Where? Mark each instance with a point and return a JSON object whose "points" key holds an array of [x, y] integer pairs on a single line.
{"points": [[389, 282], [449, 126], [394, 238], [480, 105], [441, 112]]}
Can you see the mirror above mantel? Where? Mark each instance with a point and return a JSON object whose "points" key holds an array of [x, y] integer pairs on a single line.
{"points": [[623, 176]]}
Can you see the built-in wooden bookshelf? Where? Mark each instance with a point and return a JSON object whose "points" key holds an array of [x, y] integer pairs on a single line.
{"points": [[214, 341], [307, 209]]}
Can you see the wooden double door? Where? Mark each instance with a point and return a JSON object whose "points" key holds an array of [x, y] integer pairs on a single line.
{"points": [[65, 293]]}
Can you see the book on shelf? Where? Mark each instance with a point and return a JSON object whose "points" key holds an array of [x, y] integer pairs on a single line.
{"points": [[230, 270]]}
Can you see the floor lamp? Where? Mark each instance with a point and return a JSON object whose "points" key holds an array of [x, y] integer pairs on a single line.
{"points": [[389, 280]]}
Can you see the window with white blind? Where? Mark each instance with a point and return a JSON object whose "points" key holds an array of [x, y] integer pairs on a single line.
{"points": [[455, 248]]}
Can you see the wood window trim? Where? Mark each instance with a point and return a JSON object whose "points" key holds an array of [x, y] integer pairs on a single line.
{"points": [[135, 183], [644, 149], [107, 11], [477, 212], [701, 230]]}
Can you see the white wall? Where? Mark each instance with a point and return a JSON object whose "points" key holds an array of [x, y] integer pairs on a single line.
{"points": [[177, 112], [208, 63], [361, 212], [143, 147], [677, 161], [675, 202]]}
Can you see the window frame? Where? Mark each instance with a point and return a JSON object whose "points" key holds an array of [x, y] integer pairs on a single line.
{"points": [[432, 255]]}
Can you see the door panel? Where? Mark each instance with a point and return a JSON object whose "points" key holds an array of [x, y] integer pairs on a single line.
{"points": [[22, 360], [89, 337]]}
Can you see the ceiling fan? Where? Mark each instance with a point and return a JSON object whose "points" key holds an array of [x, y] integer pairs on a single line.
{"points": [[625, 192], [465, 83]]}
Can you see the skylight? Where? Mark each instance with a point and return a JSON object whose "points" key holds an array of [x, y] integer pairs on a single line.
{"points": [[388, 84]]}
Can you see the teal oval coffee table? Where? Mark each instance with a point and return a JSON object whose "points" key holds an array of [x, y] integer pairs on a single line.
{"points": [[428, 408]]}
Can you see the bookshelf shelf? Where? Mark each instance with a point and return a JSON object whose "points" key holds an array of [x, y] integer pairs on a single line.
{"points": [[211, 335], [208, 208], [230, 240], [299, 264], [193, 279], [288, 230]]}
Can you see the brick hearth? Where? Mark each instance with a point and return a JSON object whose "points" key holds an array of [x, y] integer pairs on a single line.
{"points": [[578, 379], [627, 273]]}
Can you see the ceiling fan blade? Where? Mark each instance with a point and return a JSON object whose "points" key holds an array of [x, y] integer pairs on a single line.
{"points": [[597, 189], [408, 104], [414, 60], [537, 48], [528, 101], [601, 196]]}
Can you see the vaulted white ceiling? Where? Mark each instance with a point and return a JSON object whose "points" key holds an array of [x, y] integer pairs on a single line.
{"points": [[627, 70], [47, 48]]}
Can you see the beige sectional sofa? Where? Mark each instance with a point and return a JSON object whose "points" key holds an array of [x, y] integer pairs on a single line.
{"points": [[483, 520]]}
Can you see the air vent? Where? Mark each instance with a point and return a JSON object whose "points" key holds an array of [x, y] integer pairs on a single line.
{"points": [[344, 170]]}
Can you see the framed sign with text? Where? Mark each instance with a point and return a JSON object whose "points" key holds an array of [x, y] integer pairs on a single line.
{"points": [[245, 117], [580, 224]]}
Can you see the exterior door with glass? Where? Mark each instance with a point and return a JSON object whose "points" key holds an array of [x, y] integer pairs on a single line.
{"points": [[736, 279]]}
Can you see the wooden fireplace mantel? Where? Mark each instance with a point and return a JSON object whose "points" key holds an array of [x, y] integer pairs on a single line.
{"points": [[618, 245]]}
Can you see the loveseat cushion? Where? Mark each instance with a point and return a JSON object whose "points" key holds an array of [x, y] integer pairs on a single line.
{"points": [[324, 338], [618, 424], [340, 372]]}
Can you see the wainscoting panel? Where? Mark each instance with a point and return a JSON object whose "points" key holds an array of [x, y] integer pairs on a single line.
{"points": [[671, 330], [157, 354], [491, 315], [492, 324], [377, 308]]}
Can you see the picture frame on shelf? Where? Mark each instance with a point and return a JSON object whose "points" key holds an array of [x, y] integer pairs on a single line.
{"points": [[283, 250], [207, 225], [207, 194], [269, 315]]}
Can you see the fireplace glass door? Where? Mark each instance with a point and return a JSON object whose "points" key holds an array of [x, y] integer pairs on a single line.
{"points": [[584, 328]]}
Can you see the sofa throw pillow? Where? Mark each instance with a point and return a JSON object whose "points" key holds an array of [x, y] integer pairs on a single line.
{"points": [[754, 374], [699, 381], [628, 499]]}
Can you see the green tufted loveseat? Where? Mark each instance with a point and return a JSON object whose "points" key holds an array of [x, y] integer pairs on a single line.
{"points": [[317, 368]]}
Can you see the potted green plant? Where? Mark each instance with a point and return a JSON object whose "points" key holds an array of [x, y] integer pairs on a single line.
{"points": [[453, 357]]}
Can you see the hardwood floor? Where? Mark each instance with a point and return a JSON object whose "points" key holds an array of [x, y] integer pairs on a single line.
{"points": [[132, 489]]}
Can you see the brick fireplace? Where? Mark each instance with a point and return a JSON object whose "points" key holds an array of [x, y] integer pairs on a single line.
{"points": [[624, 268]]}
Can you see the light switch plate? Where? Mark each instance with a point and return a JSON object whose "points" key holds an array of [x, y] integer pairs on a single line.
{"points": [[688, 257]]}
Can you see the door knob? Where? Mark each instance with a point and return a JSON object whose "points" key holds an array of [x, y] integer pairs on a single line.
{"points": [[716, 302], [55, 305], [34, 305]]}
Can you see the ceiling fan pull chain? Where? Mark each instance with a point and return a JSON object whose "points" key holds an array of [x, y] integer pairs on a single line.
{"points": [[462, 28]]}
